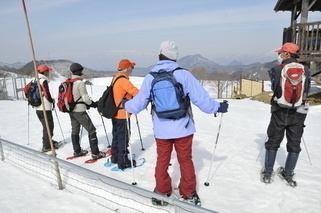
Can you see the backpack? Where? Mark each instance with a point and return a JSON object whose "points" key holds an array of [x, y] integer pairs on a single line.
{"points": [[289, 93], [66, 102], [106, 104], [167, 96], [31, 91]]}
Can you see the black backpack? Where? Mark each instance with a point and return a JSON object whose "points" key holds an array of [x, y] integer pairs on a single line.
{"points": [[106, 104]]}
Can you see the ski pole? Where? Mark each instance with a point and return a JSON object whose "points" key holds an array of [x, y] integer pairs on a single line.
{"points": [[130, 149], [28, 123], [59, 125], [217, 136], [261, 148], [306, 148], [105, 131], [82, 128], [140, 136]]}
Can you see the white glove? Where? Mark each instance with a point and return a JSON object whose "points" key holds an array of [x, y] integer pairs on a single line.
{"points": [[303, 109]]}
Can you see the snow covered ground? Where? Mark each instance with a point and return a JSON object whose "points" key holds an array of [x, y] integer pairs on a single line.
{"points": [[235, 184]]}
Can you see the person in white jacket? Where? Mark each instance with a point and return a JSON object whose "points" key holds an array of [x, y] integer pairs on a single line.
{"points": [[49, 103], [79, 116]]}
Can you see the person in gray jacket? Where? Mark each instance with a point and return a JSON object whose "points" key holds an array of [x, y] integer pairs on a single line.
{"points": [[79, 116]]}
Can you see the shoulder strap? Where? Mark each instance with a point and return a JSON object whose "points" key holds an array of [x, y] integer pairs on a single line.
{"points": [[114, 81]]}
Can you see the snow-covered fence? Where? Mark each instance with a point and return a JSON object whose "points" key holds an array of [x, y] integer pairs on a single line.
{"points": [[106, 191], [11, 88]]}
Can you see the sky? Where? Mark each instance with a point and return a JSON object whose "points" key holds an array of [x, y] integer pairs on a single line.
{"points": [[234, 178], [99, 33]]}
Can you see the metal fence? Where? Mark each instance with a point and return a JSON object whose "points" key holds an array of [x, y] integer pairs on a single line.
{"points": [[105, 191]]}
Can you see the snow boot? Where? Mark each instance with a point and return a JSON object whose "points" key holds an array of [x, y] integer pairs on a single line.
{"points": [[126, 164], [76, 143], [287, 173], [81, 153], [267, 171], [93, 141], [194, 199], [157, 202], [98, 156]]}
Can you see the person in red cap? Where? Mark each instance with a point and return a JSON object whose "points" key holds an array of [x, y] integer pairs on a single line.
{"points": [[285, 118], [123, 89], [49, 103]]}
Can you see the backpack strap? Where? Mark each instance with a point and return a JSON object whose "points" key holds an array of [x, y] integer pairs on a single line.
{"points": [[72, 80], [113, 83]]}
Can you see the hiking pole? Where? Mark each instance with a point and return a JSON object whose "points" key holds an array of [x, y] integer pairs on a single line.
{"points": [[261, 148], [217, 136], [59, 125], [28, 122], [105, 131], [306, 148], [141, 141], [130, 148], [59, 180]]}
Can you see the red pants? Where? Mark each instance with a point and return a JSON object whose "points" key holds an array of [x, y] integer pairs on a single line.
{"points": [[183, 147]]}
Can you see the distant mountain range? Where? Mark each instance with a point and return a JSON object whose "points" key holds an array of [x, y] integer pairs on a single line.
{"points": [[190, 62]]}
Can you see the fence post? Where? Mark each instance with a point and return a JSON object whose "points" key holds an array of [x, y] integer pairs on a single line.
{"points": [[1, 150]]}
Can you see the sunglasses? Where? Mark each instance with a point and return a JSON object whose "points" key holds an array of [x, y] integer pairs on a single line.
{"points": [[133, 67]]}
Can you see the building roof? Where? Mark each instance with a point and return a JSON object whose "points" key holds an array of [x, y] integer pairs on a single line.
{"points": [[288, 5]]}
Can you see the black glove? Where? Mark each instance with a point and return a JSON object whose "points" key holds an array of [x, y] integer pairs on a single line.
{"points": [[223, 107], [123, 102], [94, 104]]}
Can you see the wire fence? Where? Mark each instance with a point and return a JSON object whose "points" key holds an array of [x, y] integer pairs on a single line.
{"points": [[108, 192]]}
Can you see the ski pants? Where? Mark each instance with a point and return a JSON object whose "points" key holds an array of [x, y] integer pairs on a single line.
{"points": [[120, 139], [83, 119], [289, 121], [183, 147], [45, 136]]}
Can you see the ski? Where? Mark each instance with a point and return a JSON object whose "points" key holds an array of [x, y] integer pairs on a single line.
{"points": [[108, 153], [139, 163]]}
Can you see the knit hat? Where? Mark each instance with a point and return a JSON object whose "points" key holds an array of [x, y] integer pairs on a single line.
{"points": [[169, 49], [290, 48], [43, 68], [124, 64], [76, 68]]}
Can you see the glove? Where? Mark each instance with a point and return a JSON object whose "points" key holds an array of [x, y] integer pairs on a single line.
{"points": [[223, 107], [123, 102], [94, 104]]}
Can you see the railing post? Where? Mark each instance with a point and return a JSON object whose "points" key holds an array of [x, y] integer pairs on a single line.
{"points": [[1, 150]]}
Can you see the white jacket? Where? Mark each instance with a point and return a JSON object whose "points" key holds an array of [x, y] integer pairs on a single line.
{"points": [[80, 92], [48, 104]]}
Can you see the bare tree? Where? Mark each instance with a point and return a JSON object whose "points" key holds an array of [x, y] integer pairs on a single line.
{"points": [[201, 74]]}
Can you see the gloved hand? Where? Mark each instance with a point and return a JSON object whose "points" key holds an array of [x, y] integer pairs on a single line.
{"points": [[94, 104], [123, 102], [223, 107]]}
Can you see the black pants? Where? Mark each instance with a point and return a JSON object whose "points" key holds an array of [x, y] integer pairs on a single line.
{"points": [[289, 121], [45, 137], [82, 119], [120, 139]]}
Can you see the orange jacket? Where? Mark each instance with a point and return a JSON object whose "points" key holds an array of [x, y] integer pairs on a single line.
{"points": [[123, 88]]}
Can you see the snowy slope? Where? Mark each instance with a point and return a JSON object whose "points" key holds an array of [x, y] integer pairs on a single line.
{"points": [[235, 184]]}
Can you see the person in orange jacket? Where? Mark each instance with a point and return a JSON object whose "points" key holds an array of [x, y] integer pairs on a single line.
{"points": [[123, 89]]}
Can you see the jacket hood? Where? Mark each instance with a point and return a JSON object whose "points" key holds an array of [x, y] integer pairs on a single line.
{"points": [[166, 65]]}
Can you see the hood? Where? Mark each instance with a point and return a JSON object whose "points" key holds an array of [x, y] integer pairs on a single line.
{"points": [[166, 65]]}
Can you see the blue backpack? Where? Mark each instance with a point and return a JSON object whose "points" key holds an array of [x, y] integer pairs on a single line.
{"points": [[167, 96]]}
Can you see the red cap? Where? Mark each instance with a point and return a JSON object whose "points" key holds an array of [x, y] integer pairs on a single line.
{"points": [[290, 48], [43, 68], [124, 64]]}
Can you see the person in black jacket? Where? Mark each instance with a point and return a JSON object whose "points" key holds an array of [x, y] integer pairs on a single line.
{"points": [[287, 119]]}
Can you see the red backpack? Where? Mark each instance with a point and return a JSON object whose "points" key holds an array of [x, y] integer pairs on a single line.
{"points": [[66, 102], [292, 84]]}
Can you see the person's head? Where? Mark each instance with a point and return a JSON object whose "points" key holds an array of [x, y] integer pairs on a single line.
{"points": [[76, 69], [43, 69], [126, 67], [288, 50], [168, 51]]}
